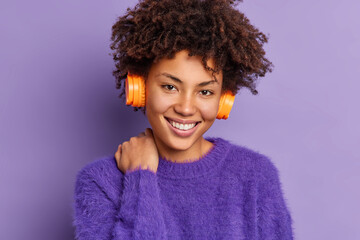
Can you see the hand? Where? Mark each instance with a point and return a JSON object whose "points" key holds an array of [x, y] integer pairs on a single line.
{"points": [[138, 151]]}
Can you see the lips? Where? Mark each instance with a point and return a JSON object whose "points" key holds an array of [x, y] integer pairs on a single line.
{"points": [[183, 133], [182, 121]]}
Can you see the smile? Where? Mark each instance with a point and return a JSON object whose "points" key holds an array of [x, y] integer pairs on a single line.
{"points": [[182, 129]]}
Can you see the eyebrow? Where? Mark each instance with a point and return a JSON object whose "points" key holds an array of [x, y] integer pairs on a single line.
{"points": [[179, 81]]}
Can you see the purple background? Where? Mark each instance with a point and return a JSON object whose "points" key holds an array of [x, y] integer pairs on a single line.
{"points": [[59, 110]]}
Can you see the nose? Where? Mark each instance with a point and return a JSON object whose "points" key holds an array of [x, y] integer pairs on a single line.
{"points": [[185, 106]]}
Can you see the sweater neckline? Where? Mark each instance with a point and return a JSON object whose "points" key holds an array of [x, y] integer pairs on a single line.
{"points": [[197, 168]]}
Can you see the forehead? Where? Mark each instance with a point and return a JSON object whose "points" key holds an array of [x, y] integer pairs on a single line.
{"points": [[186, 68]]}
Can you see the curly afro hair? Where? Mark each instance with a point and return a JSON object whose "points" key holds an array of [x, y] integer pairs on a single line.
{"points": [[155, 29]]}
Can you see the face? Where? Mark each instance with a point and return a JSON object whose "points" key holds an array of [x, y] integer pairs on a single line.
{"points": [[182, 101]]}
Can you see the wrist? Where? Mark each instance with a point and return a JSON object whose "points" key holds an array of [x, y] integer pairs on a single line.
{"points": [[150, 168]]}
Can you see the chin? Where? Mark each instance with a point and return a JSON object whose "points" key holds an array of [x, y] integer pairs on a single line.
{"points": [[179, 144], [173, 142]]}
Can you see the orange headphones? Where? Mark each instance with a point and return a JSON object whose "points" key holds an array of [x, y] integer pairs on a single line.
{"points": [[135, 96]]}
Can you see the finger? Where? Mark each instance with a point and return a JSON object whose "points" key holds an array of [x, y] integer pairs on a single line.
{"points": [[142, 134], [118, 153], [148, 132]]}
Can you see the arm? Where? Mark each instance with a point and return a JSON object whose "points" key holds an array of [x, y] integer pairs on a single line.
{"points": [[273, 217], [137, 216]]}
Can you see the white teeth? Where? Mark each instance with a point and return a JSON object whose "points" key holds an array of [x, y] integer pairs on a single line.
{"points": [[182, 126]]}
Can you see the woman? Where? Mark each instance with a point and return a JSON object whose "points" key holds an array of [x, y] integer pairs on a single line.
{"points": [[170, 182]]}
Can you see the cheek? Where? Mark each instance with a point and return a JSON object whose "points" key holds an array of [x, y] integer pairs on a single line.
{"points": [[156, 103], [209, 110]]}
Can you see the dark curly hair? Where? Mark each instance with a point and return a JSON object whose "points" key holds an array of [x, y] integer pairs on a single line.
{"points": [[155, 29]]}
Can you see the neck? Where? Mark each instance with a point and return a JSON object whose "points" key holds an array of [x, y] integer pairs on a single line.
{"points": [[195, 152]]}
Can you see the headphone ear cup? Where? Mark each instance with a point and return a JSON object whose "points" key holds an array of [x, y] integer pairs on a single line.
{"points": [[225, 105], [142, 98], [135, 90], [129, 90]]}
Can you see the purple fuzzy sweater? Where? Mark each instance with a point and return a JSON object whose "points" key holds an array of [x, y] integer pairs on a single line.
{"points": [[230, 193]]}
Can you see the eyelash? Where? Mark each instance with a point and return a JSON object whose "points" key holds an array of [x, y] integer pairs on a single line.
{"points": [[166, 85], [210, 92], [166, 88]]}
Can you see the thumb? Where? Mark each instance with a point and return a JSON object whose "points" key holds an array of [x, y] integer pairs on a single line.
{"points": [[118, 153]]}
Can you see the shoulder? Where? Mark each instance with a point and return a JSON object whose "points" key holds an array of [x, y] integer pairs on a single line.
{"points": [[100, 167], [244, 159], [103, 171]]}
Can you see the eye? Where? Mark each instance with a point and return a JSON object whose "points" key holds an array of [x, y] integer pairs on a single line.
{"points": [[206, 92], [168, 87]]}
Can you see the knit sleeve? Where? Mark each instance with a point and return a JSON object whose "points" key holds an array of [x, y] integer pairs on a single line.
{"points": [[273, 217], [138, 215]]}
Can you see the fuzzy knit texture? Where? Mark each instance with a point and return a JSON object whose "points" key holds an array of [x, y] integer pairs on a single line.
{"points": [[232, 192]]}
